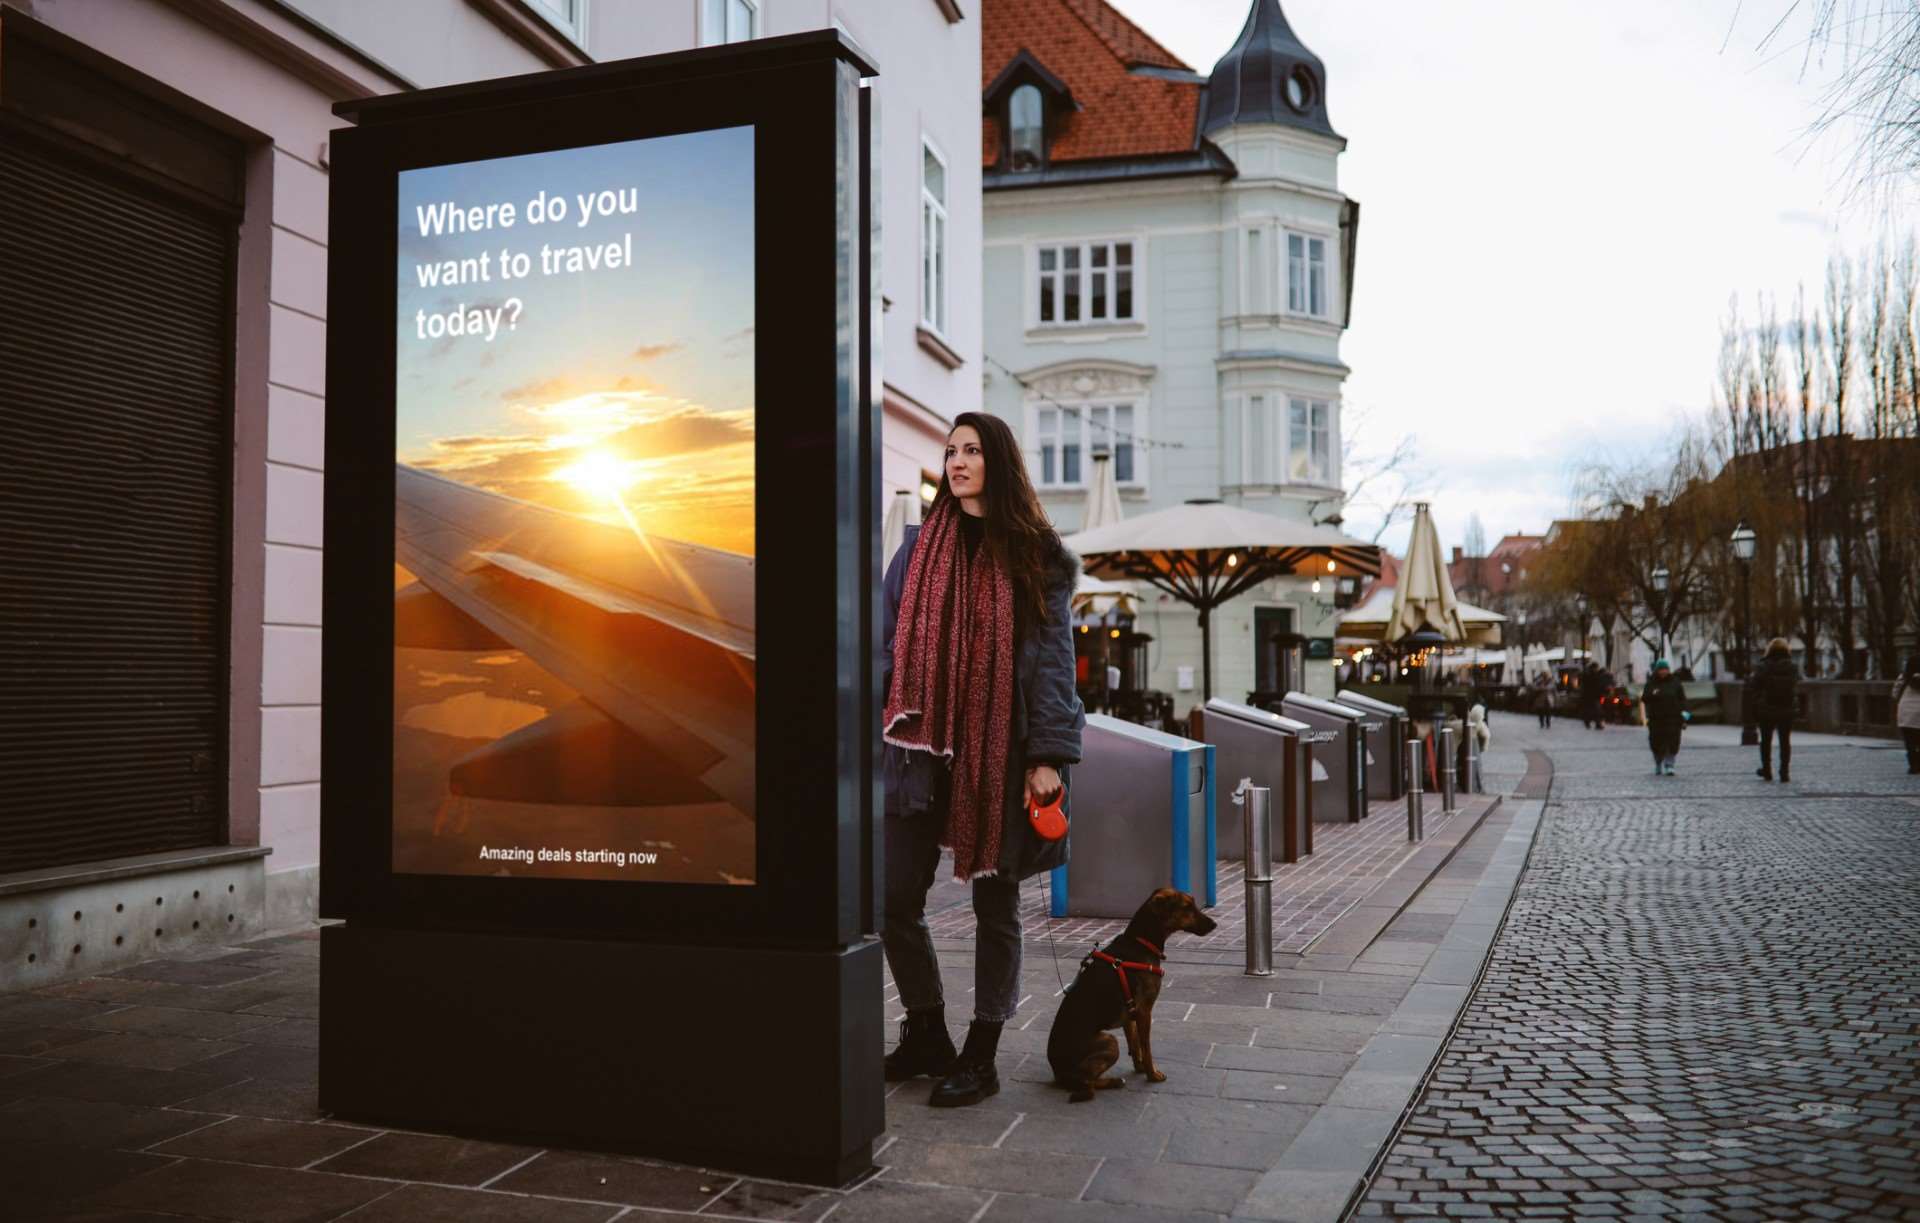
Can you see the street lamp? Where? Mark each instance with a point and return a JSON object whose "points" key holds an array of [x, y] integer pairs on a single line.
{"points": [[1580, 605], [1660, 578], [1520, 618], [1745, 544]]}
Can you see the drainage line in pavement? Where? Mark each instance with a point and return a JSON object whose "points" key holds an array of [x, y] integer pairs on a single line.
{"points": [[1359, 1194]]}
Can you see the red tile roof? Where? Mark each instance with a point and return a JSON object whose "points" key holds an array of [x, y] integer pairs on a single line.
{"points": [[1089, 45]]}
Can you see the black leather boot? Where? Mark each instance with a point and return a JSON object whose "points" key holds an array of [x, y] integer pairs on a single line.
{"points": [[973, 1077], [925, 1047]]}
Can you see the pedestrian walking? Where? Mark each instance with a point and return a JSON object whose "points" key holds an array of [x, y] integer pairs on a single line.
{"points": [[1772, 694], [1906, 700], [1591, 689], [1663, 711], [981, 718], [1543, 699]]}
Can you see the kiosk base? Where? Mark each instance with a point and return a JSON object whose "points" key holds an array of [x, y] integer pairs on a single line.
{"points": [[677, 1052]]}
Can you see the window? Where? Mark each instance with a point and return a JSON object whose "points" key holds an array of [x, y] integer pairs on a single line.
{"points": [[1307, 275], [933, 239], [1310, 441], [1026, 125], [1086, 283], [567, 16], [725, 21], [1068, 436]]}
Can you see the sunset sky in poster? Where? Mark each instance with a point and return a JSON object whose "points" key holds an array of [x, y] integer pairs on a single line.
{"points": [[623, 386]]}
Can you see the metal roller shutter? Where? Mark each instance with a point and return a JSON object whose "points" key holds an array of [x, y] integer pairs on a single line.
{"points": [[115, 483]]}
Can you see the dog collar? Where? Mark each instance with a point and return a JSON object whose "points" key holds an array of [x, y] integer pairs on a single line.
{"points": [[1150, 947]]}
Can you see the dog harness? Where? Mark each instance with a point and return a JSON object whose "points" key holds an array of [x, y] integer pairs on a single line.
{"points": [[1121, 966]]}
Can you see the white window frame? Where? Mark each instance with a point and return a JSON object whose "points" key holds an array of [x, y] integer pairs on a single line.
{"points": [[1073, 422], [1085, 271], [935, 262], [1330, 477], [714, 15], [1285, 280], [573, 28]]}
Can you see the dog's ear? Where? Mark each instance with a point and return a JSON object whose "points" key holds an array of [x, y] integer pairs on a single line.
{"points": [[1160, 908]]}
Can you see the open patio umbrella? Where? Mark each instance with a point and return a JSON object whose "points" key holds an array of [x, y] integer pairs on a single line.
{"points": [[1204, 553], [1370, 620]]}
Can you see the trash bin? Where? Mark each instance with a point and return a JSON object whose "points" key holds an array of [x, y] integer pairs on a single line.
{"points": [[1387, 731], [1142, 819], [1272, 751], [1343, 797]]}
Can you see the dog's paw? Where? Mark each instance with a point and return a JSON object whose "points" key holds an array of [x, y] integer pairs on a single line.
{"points": [[1154, 1076]]}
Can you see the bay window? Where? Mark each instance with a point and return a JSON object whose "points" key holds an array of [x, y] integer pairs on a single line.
{"points": [[1310, 441], [1307, 275]]}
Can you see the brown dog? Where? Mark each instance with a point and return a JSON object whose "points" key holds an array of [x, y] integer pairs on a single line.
{"points": [[1117, 988]]}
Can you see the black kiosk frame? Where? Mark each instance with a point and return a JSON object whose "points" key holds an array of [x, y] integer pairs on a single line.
{"points": [[730, 1026]]}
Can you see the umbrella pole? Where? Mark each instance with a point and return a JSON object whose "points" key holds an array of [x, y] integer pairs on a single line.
{"points": [[1206, 655]]}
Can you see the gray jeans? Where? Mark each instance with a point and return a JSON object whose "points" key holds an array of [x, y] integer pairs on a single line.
{"points": [[913, 857]]}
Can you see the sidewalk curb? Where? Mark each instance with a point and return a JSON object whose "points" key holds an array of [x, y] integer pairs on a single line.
{"points": [[1319, 1174]]}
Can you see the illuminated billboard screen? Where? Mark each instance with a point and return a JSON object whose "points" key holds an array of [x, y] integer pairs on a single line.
{"points": [[574, 663]]}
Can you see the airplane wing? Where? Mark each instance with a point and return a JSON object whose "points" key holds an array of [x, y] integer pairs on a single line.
{"points": [[656, 634]]}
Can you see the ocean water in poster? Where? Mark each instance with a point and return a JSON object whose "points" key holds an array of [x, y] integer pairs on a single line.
{"points": [[574, 634]]}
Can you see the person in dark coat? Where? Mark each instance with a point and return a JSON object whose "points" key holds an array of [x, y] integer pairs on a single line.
{"points": [[981, 716], [1772, 694], [1663, 706], [1592, 688]]}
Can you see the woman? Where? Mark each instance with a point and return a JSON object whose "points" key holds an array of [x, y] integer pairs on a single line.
{"points": [[1543, 699], [1663, 708], [1771, 693], [1906, 698], [981, 716]]}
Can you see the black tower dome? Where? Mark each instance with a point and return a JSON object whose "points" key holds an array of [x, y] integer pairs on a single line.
{"points": [[1268, 76]]}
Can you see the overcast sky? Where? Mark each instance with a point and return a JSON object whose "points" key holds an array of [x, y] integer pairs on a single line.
{"points": [[1557, 199]]}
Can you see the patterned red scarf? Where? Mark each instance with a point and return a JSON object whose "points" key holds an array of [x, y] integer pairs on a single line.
{"points": [[952, 691]]}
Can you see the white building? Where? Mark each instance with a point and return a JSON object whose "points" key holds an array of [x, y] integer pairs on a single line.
{"points": [[1169, 265], [163, 173]]}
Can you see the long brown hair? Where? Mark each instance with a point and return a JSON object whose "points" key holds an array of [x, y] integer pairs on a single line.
{"points": [[1020, 538]]}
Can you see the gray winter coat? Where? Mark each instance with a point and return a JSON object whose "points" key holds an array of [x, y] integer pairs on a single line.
{"points": [[1047, 720]]}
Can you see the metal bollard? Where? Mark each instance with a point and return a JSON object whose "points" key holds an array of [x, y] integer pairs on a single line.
{"points": [[1448, 782], [1257, 826], [1416, 801]]}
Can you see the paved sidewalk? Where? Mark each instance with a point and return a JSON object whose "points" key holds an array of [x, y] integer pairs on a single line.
{"points": [[187, 1087]]}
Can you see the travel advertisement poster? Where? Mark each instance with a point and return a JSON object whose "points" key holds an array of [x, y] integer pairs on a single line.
{"points": [[574, 520]]}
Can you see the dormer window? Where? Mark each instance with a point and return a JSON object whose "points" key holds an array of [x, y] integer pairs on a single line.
{"points": [[1026, 127], [1021, 100]]}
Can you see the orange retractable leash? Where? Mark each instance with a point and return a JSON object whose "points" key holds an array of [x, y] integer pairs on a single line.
{"points": [[1049, 821]]}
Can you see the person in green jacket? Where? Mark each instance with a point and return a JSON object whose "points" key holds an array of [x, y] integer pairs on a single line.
{"points": [[1663, 707]]}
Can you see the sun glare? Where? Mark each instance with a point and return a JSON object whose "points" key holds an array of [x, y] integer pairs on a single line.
{"points": [[599, 473]]}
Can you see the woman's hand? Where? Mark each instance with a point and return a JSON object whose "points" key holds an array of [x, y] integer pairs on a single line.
{"points": [[1043, 784]]}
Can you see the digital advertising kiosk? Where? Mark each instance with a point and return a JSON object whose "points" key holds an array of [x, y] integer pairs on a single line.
{"points": [[603, 401]]}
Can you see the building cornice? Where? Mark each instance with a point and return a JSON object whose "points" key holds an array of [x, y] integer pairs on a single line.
{"points": [[283, 35], [1205, 161], [1273, 358], [1001, 203]]}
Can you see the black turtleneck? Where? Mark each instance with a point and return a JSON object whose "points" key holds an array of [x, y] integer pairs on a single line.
{"points": [[973, 530]]}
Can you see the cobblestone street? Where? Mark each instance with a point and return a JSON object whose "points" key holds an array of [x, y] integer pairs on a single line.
{"points": [[1705, 1001]]}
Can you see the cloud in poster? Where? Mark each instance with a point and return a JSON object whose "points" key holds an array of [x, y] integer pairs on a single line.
{"points": [[651, 352], [680, 469]]}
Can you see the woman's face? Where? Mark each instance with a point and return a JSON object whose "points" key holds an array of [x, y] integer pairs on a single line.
{"points": [[966, 463]]}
